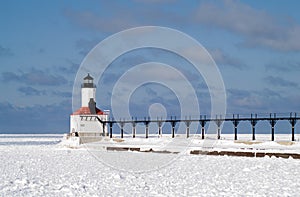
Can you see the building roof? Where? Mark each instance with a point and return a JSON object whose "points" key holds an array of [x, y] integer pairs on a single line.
{"points": [[87, 111], [88, 77]]}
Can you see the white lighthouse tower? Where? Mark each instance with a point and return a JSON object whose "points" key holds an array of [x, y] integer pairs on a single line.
{"points": [[86, 122], [88, 91]]}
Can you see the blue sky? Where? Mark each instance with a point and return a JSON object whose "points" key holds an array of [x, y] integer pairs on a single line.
{"points": [[256, 45]]}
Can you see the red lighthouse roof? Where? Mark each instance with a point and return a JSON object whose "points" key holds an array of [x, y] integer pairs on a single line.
{"points": [[87, 111]]}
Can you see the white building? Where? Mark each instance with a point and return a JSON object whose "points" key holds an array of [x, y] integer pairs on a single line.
{"points": [[86, 121]]}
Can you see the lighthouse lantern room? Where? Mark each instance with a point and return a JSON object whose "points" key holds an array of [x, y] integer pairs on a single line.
{"points": [[86, 121]]}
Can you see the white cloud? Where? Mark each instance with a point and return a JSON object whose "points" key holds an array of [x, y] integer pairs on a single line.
{"points": [[221, 58], [257, 27], [96, 22]]}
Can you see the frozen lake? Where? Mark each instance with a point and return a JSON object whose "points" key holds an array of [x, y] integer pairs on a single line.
{"points": [[37, 165]]}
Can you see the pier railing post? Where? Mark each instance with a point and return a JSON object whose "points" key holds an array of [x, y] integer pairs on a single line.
{"points": [[273, 121], [253, 123], [293, 121], [146, 122], [202, 122], [147, 131], [173, 129], [110, 128], [133, 128], [187, 123], [159, 124], [122, 128], [173, 123], [235, 123], [293, 132], [219, 122], [235, 131]]}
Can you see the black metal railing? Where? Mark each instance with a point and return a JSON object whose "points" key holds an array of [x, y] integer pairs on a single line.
{"points": [[253, 119]]}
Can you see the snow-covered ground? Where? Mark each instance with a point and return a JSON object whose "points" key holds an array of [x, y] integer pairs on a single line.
{"points": [[40, 166]]}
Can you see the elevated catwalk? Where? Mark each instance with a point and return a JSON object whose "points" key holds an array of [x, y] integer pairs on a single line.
{"points": [[253, 119]]}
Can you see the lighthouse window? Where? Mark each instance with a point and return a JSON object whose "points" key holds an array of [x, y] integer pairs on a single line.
{"points": [[88, 81]]}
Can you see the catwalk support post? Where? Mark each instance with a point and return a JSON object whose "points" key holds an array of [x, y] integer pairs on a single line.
{"points": [[202, 122], [187, 123], [273, 121], [235, 122], [253, 121], [293, 121]]}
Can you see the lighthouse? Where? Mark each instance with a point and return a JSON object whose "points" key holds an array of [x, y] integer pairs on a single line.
{"points": [[87, 121]]}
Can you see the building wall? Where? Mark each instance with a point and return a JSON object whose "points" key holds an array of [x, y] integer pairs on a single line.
{"points": [[87, 125]]}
